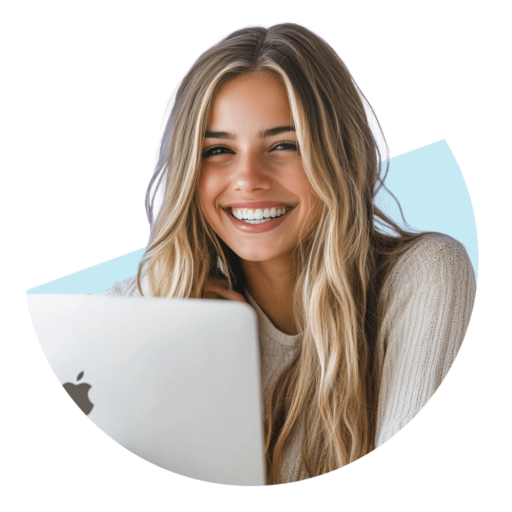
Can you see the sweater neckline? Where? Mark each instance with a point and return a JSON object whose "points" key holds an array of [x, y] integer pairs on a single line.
{"points": [[268, 328]]}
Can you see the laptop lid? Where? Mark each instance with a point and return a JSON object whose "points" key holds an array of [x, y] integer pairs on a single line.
{"points": [[175, 381]]}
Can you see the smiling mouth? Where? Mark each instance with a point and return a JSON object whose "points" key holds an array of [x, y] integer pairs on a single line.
{"points": [[251, 221], [259, 215]]}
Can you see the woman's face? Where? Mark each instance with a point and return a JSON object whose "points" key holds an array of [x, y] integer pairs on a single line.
{"points": [[253, 189]]}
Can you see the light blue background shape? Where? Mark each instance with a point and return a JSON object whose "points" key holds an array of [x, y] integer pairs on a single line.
{"points": [[427, 182]]}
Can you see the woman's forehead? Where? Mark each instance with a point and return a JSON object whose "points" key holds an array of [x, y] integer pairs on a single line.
{"points": [[254, 102]]}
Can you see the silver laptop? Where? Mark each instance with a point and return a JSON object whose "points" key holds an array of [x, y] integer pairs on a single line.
{"points": [[177, 382]]}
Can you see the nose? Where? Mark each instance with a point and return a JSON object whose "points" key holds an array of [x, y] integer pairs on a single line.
{"points": [[251, 172]]}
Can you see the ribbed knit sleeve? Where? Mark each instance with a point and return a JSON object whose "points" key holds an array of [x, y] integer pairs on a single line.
{"points": [[127, 288], [428, 300]]}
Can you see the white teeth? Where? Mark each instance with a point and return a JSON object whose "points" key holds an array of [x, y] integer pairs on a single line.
{"points": [[259, 215]]}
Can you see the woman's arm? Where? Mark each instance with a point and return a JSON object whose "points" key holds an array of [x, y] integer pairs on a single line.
{"points": [[428, 301]]}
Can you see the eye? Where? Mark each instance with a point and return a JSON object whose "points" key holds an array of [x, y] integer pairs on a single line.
{"points": [[285, 146], [216, 150]]}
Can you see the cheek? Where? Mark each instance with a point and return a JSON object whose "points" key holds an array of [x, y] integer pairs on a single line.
{"points": [[207, 192], [211, 190], [202, 192], [206, 188]]}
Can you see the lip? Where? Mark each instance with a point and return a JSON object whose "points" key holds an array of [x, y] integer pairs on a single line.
{"points": [[257, 204], [257, 228]]}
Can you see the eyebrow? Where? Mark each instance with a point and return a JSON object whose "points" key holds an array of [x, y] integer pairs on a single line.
{"points": [[262, 134]]}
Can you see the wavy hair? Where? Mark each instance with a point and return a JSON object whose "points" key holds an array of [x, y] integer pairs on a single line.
{"points": [[342, 258]]}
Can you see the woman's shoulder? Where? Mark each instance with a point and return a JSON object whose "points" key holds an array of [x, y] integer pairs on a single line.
{"points": [[125, 288], [427, 301], [433, 277], [435, 258], [436, 272]]}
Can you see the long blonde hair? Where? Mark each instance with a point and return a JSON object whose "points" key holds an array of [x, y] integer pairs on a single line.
{"points": [[341, 261]]}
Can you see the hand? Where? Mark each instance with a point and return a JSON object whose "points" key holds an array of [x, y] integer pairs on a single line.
{"points": [[218, 289]]}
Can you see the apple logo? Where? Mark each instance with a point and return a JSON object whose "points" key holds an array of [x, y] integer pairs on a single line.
{"points": [[78, 392]]}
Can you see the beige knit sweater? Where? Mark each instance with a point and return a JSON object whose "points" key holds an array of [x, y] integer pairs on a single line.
{"points": [[427, 298]]}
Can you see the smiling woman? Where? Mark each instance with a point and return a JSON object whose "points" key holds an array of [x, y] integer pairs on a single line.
{"points": [[271, 171], [253, 182]]}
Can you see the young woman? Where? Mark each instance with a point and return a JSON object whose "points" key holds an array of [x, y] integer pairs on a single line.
{"points": [[270, 172]]}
